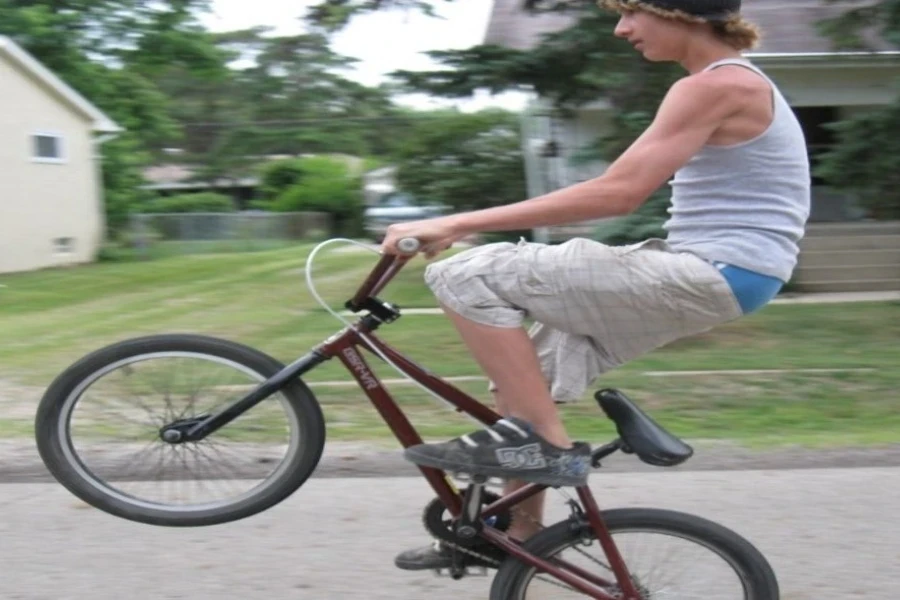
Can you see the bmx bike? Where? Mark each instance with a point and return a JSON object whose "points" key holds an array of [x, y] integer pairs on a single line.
{"points": [[264, 418]]}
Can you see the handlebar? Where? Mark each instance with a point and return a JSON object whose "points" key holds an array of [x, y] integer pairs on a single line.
{"points": [[409, 245], [387, 267]]}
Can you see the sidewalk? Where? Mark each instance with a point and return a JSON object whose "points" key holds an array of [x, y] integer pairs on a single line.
{"points": [[838, 297]]}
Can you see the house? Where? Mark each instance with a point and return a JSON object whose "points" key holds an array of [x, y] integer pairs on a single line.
{"points": [[821, 84], [51, 200]]}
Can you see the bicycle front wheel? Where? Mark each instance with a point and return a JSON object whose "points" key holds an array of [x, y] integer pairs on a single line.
{"points": [[669, 555], [99, 430]]}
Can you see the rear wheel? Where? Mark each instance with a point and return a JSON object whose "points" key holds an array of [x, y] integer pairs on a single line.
{"points": [[99, 430], [669, 555]]}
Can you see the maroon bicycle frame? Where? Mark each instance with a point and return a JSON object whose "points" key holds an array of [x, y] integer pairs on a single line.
{"points": [[345, 346]]}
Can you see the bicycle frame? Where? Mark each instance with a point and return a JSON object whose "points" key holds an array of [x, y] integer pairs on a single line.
{"points": [[345, 346]]}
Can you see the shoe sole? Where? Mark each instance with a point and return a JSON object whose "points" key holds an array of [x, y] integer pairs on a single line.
{"points": [[408, 566], [425, 460]]}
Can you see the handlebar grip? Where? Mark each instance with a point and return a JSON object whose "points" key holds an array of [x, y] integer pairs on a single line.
{"points": [[409, 245], [386, 268]]}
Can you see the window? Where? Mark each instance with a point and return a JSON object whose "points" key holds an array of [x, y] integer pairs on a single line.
{"points": [[46, 147], [819, 138], [63, 246]]}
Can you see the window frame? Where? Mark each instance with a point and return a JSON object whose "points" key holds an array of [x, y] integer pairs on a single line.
{"points": [[60, 147]]}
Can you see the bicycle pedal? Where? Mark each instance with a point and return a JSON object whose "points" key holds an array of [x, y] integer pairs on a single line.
{"points": [[488, 482]]}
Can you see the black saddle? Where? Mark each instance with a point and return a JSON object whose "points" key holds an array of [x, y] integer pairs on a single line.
{"points": [[641, 434]]}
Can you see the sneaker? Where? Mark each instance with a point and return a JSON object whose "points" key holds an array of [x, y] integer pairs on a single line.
{"points": [[509, 449], [439, 556]]}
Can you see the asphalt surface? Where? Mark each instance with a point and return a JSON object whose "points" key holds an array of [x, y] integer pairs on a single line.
{"points": [[830, 533]]}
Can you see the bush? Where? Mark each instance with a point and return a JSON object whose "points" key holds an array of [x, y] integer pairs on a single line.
{"points": [[115, 252], [277, 177], [326, 185], [191, 203], [646, 222]]}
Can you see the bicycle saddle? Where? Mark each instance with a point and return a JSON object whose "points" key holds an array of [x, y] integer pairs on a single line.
{"points": [[641, 434]]}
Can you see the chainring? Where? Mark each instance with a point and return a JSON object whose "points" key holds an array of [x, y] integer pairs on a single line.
{"points": [[439, 522]]}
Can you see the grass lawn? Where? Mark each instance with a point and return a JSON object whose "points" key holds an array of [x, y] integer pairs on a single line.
{"points": [[50, 318]]}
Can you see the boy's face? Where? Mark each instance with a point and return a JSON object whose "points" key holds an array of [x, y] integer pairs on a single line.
{"points": [[657, 38]]}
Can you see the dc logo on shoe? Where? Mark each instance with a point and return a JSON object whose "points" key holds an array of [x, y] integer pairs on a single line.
{"points": [[523, 457]]}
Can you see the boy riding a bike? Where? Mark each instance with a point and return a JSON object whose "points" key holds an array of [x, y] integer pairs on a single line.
{"points": [[735, 155]]}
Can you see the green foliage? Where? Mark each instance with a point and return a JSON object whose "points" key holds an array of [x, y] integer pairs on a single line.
{"points": [[332, 15], [288, 96], [865, 159], [190, 203], [278, 176], [465, 161], [123, 158], [646, 222], [324, 185], [852, 28], [569, 68]]}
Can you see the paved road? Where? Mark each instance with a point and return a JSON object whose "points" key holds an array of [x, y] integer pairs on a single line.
{"points": [[830, 533]]}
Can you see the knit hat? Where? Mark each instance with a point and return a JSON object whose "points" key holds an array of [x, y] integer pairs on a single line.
{"points": [[689, 10]]}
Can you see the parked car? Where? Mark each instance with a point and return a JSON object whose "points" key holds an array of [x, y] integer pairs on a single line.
{"points": [[397, 207]]}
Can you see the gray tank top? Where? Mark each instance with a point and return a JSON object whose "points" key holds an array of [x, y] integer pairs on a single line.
{"points": [[746, 204]]}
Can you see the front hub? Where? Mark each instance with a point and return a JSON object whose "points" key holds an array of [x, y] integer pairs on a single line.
{"points": [[177, 431]]}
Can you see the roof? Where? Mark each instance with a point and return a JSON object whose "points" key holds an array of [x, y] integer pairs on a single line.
{"points": [[789, 28], [31, 65]]}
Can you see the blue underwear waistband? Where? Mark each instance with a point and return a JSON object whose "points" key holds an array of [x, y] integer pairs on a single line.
{"points": [[753, 290]]}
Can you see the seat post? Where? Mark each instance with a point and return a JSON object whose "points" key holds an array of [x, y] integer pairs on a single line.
{"points": [[603, 451]]}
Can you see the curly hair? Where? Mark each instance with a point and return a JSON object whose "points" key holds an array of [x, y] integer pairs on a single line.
{"points": [[734, 30]]}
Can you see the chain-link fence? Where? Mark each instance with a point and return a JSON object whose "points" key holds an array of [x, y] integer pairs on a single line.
{"points": [[186, 233]]}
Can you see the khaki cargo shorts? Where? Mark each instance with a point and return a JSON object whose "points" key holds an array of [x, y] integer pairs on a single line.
{"points": [[595, 306]]}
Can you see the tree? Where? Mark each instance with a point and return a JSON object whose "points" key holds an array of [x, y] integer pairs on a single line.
{"points": [[572, 67], [108, 50], [284, 95], [317, 184], [332, 15], [865, 158], [465, 161], [857, 27]]}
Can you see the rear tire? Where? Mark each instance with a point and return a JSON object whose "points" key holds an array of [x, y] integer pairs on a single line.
{"points": [[750, 566], [52, 431]]}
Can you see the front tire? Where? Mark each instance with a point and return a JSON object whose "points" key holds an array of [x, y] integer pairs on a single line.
{"points": [[757, 581], [304, 431]]}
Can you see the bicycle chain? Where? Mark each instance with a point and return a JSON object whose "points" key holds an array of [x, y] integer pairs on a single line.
{"points": [[492, 561], [521, 513]]}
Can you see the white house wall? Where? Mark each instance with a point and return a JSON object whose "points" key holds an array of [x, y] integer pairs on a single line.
{"points": [[861, 86], [41, 203]]}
